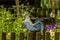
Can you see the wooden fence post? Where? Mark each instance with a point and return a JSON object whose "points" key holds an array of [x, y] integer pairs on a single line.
{"points": [[43, 36], [17, 7], [38, 36], [56, 35], [30, 36], [21, 36], [47, 36], [3, 35], [13, 36]]}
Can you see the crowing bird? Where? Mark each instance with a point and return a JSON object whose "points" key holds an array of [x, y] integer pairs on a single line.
{"points": [[36, 26]]}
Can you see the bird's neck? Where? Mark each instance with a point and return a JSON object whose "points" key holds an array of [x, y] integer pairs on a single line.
{"points": [[27, 19]]}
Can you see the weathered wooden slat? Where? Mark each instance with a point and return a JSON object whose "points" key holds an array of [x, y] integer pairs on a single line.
{"points": [[13, 36], [21, 36], [3, 35], [56, 36], [17, 7], [38, 36], [34, 35], [47, 36], [30, 36], [43, 36]]}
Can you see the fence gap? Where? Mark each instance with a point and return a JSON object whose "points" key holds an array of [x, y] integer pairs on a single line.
{"points": [[56, 35], [13, 36], [30, 36], [21, 36], [38, 36], [47, 36], [3, 35]]}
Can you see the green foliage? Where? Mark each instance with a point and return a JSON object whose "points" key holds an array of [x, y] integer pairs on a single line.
{"points": [[8, 25], [5, 18], [48, 4], [45, 4], [58, 15]]}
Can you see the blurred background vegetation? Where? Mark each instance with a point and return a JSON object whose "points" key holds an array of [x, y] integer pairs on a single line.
{"points": [[11, 14]]}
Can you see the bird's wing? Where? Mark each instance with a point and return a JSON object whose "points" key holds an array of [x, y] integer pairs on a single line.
{"points": [[39, 25]]}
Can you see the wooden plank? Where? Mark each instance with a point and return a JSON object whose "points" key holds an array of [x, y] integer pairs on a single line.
{"points": [[56, 35], [47, 36], [38, 36], [21, 36], [3, 35], [43, 36], [30, 36], [12, 36], [17, 7]]}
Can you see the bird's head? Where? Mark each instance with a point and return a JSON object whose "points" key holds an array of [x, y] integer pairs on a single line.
{"points": [[26, 16]]}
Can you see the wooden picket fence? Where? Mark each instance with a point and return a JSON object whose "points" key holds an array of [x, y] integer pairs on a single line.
{"points": [[30, 36]]}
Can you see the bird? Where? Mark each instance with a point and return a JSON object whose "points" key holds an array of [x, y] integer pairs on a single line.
{"points": [[52, 14], [36, 26]]}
